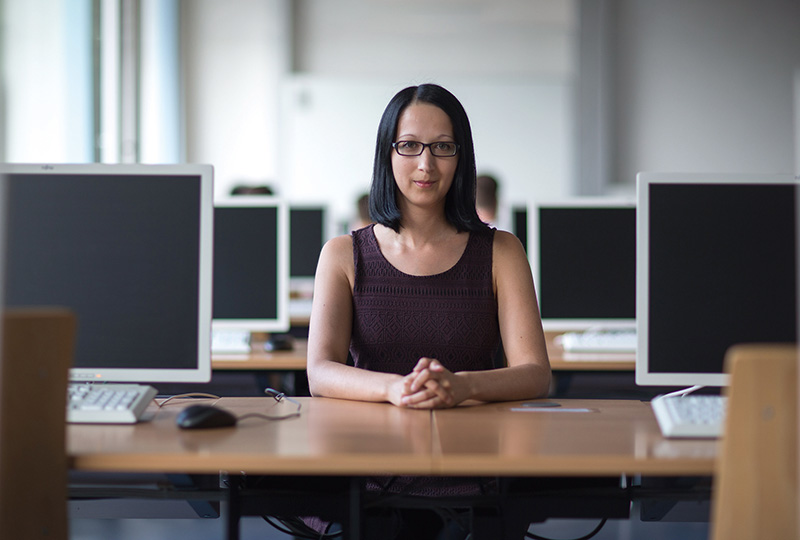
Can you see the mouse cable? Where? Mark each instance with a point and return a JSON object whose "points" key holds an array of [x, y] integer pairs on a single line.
{"points": [[586, 537], [188, 395], [296, 527], [268, 417]]}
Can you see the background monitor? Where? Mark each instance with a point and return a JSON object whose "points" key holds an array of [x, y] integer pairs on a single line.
{"points": [[309, 229], [519, 224], [251, 264], [717, 265], [583, 257], [128, 249]]}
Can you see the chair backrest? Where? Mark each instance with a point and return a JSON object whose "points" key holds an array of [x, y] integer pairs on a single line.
{"points": [[755, 484], [37, 352]]}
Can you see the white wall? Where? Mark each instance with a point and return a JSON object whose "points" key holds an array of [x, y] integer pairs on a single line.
{"points": [[797, 122], [421, 39], [268, 81], [704, 85], [47, 80], [521, 129], [233, 61]]}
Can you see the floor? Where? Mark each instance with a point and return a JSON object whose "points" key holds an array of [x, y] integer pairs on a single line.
{"points": [[257, 529]]}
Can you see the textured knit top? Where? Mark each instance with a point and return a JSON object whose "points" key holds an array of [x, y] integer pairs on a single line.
{"points": [[399, 318]]}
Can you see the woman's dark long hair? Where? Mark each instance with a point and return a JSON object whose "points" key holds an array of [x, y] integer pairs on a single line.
{"points": [[460, 201]]}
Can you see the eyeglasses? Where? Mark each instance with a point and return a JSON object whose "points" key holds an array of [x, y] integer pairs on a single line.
{"points": [[415, 148]]}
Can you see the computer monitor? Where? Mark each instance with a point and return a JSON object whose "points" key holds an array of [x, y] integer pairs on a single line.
{"points": [[583, 257], [519, 224], [309, 229], [251, 264], [717, 265], [128, 249]]}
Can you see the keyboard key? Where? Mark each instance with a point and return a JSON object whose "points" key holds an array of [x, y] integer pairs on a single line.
{"points": [[107, 403], [690, 416]]}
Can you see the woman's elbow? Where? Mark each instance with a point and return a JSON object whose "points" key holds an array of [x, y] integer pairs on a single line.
{"points": [[542, 382]]}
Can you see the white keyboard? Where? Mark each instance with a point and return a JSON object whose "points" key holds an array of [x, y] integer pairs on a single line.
{"points": [[91, 403], [610, 341], [690, 416], [230, 341]]}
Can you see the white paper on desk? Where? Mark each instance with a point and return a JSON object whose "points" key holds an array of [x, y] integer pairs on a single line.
{"points": [[549, 409]]}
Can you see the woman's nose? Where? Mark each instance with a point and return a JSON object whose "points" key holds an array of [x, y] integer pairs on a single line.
{"points": [[425, 160]]}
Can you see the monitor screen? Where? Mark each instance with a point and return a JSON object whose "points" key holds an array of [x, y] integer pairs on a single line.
{"points": [[251, 264], [583, 257], [519, 224], [308, 231], [128, 249], [716, 267]]}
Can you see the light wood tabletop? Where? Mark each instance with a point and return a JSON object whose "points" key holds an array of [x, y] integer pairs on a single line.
{"points": [[259, 359], [579, 437], [295, 359], [340, 437], [561, 360], [329, 437]]}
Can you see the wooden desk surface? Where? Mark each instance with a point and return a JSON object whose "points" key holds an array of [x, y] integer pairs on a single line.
{"points": [[353, 438], [329, 437], [581, 437], [561, 360], [260, 359], [295, 359]]}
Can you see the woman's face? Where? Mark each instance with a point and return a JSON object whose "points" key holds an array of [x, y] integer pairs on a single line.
{"points": [[423, 180]]}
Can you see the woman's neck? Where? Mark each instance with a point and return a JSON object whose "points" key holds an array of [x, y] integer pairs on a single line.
{"points": [[424, 229]]}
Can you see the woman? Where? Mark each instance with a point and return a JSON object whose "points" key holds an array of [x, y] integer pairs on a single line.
{"points": [[422, 298]]}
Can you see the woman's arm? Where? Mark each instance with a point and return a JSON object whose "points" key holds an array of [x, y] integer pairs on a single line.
{"points": [[520, 322], [330, 330], [528, 373]]}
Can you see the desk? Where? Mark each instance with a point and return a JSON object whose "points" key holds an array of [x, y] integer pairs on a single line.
{"points": [[355, 439], [262, 360], [561, 360], [615, 437], [330, 437], [295, 360], [340, 437]]}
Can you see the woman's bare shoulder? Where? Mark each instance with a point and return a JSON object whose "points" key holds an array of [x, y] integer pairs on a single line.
{"points": [[339, 243], [337, 253], [506, 243]]}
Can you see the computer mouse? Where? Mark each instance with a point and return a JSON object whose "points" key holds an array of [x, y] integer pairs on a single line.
{"points": [[204, 417], [279, 342]]}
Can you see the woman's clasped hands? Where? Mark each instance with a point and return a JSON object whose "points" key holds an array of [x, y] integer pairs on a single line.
{"points": [[430, 385]]}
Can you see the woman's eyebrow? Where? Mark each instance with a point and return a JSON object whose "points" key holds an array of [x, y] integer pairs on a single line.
{"points": [[414, 137]]}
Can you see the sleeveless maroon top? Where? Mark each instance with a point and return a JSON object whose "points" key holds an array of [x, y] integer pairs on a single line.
{"points": [[399, 318]]}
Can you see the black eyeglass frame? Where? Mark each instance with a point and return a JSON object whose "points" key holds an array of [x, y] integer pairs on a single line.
{"points": [[426, 145]]}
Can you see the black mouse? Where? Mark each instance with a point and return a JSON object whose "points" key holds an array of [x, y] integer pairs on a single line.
{"points": [[279, 342], [204, 417]]}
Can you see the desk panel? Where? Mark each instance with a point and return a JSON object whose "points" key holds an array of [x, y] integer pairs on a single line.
{"points": [[340, 437], [561, 360], [614, 437], [331, 437], [295, 359], [260, 359]]}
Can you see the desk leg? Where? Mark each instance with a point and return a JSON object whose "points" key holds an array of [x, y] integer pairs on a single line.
{"points": [[234, 508], [354, 511]]}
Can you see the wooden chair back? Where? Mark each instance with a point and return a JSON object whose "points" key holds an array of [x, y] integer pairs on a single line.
{"points": [[37, 352], [755, 483]]}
